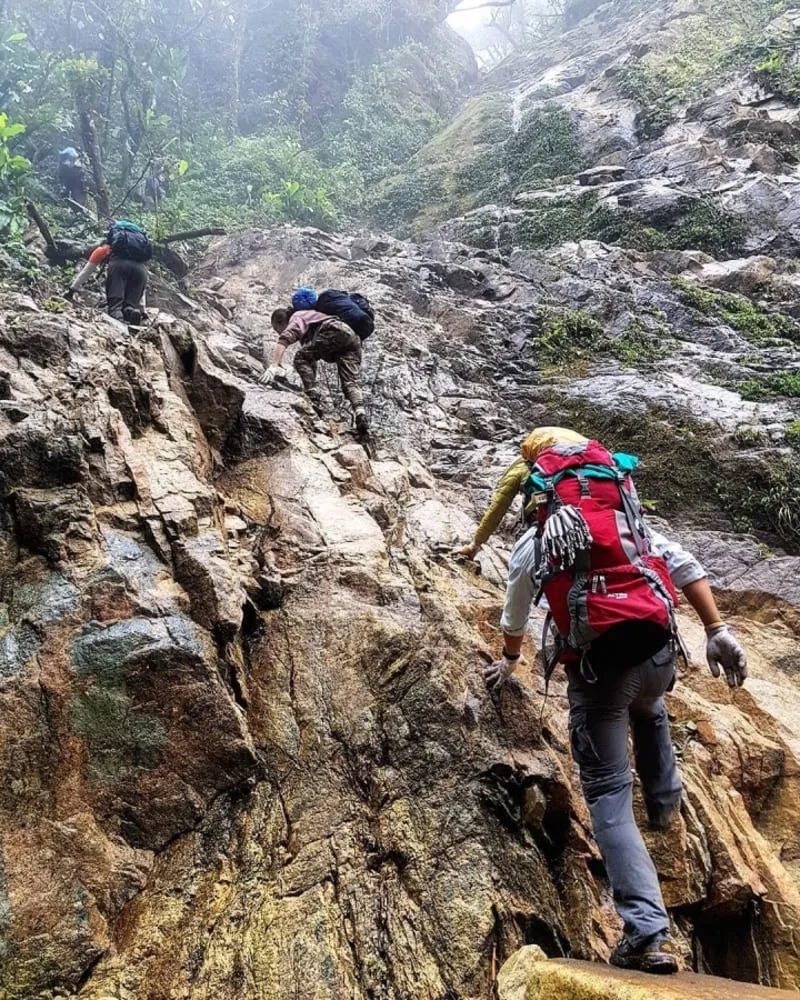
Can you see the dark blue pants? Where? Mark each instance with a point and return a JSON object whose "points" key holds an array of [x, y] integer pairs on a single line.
{"points": [[601, 715]]}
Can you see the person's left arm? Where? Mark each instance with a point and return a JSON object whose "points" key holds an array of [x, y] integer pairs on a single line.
{"points": [[723, 649]]}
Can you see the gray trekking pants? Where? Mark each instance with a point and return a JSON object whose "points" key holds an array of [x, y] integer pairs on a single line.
{"points": [[600, 716], [338, 345]]}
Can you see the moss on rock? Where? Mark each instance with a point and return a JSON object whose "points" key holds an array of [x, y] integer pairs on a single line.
{"points": [[740, 313]]}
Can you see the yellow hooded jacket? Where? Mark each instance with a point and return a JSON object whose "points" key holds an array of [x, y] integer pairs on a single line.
{"points": [[515, 477]]}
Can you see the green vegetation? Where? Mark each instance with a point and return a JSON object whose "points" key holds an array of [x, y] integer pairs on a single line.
{"points": [[650, 90], [717, 40], [689, 471], [769, 386], [545, 147], [568, 335], [252, 113], [775, 501], [793, 433], [572, 335], [740, 313], [394, 109], [479, 160], [778, 71], [748, 437], [549, 223]]}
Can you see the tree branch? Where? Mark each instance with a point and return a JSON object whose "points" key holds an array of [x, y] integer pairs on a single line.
{"points": [[195, 234], [41, 225]]}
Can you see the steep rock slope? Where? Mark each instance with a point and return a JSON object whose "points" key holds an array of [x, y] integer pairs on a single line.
{"points": [[246, 746], [646, 124]]}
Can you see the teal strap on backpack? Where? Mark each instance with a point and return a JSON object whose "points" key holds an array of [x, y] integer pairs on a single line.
{"points": [[625, 464]]}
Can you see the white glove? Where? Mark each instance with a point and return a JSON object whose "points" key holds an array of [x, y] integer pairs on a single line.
{"points": [[724, 650], [498, 673], [269, 375]]}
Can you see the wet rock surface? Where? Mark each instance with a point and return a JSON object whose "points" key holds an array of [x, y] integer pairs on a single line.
{"points": [[641, 116], [246, 746]]}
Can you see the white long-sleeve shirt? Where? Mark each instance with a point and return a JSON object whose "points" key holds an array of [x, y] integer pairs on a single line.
{"points": [[522, 589]]}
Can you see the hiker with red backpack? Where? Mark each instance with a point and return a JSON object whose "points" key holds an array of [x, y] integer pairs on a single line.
{"points": [[127, 250], [610, 583], [329, 328]]}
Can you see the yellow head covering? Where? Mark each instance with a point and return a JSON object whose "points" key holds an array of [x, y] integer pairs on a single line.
{"points": [[545, 437]]}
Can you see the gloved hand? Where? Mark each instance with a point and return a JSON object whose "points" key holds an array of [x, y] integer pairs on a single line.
{"points": [[724, 650], [69, 294], [498, 673], [269, 375], [469, 551]]}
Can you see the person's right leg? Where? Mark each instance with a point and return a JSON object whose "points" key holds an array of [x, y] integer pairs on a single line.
{"points": [[599, 737], [115, 289], [655, 756], [349, 365], [135, 284], [305, 364]]}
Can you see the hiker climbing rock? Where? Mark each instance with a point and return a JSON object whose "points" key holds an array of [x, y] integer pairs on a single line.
{"points": [[322, 338], [610, 582], [351, 308], [71, 176], [127, 250]]}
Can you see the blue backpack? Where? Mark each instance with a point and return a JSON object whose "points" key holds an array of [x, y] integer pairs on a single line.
{"points": [[353, 309]]}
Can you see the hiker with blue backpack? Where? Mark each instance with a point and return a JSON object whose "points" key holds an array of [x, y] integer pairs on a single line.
{"points": [[610, 583], [71, 176], [331, 328], [126, 250]]}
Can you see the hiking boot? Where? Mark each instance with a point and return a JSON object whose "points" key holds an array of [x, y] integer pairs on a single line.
{"points": [[362, 422], [656, 956], [662, 822]]}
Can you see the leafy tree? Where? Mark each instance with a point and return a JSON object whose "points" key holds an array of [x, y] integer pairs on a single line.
{"points": [[13, 170], [159, 83]]}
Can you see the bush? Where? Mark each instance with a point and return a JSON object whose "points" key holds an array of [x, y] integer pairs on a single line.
{"points": [[742, 315], [572, 335], [545, 147], [258, 181], [650, 90], [393, 110], [702, 227], [769, 386]]}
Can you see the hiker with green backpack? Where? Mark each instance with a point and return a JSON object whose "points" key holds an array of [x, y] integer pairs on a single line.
{"points": [[610, 583], [127, 251]]}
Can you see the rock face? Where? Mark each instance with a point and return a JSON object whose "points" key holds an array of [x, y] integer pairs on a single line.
{"points": [[527, 977], [246, 747], [689, 136]]}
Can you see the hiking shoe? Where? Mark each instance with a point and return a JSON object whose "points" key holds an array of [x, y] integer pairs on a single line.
{"points": [[662, 822], [362, 423], [656, 956]]}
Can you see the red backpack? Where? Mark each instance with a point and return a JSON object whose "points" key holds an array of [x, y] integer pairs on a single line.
{"points": [[611, 599]]}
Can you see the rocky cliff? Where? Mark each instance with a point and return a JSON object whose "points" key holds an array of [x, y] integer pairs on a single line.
{"points": [[245, 743], [670, 125]]}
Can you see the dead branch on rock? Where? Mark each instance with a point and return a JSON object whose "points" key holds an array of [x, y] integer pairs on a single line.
{"points": [[41, 225]]}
